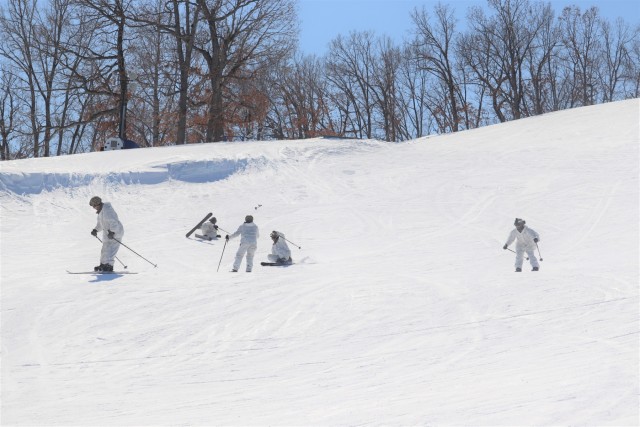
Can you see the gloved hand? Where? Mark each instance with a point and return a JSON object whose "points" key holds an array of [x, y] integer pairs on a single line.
{"points": [[226, 237], [94, 232], [215, 226], [505, 247], [535, 239], [111, 234]]}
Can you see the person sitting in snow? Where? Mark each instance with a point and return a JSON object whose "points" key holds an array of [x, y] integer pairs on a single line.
{"points": [[280, 252], [527, 240], [210, 229], [112, 232], [248, 243]]}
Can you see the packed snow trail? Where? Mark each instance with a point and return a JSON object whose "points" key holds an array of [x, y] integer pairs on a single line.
{"points": [[402, 307]]}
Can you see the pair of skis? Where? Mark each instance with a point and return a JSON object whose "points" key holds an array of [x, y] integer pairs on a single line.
{"points": [[101, 272], [198, 225], [209, 215]]}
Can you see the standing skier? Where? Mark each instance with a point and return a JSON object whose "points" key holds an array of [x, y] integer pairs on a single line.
{"points": [[210, 229], [111, 229], [527, 239], [280, 252], [248, 243]]}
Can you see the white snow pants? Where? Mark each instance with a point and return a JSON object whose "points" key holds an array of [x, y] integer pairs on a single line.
{"points": [[109, 249], [520, 256], [245, 248]]}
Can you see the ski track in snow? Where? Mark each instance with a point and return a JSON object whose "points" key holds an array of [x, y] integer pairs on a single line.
{"points": [[402, 307]]}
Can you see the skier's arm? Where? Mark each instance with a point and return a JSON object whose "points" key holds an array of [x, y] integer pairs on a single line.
{"points": [[535, 236], [511, 238], [237, 233]]}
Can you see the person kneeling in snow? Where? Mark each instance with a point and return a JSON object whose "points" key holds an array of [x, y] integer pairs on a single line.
{"points": [[112, 232], [248, 243], [527, 240], [280, 251], [210, 229]]}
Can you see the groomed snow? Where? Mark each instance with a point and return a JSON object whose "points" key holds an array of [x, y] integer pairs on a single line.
{"points": [[402, 307]]}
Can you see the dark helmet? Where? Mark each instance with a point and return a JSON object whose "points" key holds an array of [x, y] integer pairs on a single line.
{"points": [[248, 218], [213, 220], [519, 221], [95, 201]]}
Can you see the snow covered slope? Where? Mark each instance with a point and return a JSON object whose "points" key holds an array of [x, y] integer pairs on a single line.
{"points": [[402, 307]]}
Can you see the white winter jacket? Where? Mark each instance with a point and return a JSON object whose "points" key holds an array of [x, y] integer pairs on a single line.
{"points": [[108, 221], [280, 248], [249, 232], [209, 229], [524, 238]]}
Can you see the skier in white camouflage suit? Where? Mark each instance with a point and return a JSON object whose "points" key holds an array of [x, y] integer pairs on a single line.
{"points": [[209, 229], [527, 240], [111, 228], [248, 243], [280, 251]]}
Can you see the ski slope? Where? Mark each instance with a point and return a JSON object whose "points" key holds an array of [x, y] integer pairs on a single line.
{"points": [[402, 307]]}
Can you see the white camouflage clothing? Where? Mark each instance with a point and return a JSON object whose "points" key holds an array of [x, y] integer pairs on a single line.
{"points": [[209, 230], [524, 243], [248, 244], [280, 251], [108, 221]]}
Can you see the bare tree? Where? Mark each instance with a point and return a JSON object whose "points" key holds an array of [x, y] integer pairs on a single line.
{"points": [[9, 111], [616, 43], [104, 59], [385, 89], [435, 46], [350, 70], [496, 49], [243, 36], [584, 52], [18, 34], [414, 84], [632, 67], [299, 105], [539, 61], [180, 19]]}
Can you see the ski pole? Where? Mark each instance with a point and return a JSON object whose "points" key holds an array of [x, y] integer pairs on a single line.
{"points": [[223, 230], [299, 247], [118, 259], [527, 257], [225, 245], [155, 265], [539, 254]]}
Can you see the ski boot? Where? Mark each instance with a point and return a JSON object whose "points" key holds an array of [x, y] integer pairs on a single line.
{"points": [[103, 267], [535, 269], [518, 270]]}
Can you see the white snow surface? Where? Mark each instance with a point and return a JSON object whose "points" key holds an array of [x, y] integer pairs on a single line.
{"points": [[402, 307]]}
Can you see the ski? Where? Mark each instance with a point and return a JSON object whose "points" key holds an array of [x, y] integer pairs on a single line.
{"points": [[275, 264], [201, 237], [101, 272], [207, 216]]}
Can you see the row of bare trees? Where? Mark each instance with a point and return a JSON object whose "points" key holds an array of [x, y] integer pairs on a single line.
{"points": [[161, 72]]}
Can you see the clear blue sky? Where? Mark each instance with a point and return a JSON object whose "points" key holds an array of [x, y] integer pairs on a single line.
{"points": [[324, 20]]}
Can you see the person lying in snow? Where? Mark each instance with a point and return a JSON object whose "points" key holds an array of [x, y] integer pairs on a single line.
{"points": [[209, 229], [280, 252], [112, 230], [526, 242]]}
